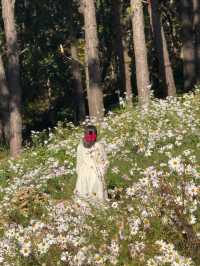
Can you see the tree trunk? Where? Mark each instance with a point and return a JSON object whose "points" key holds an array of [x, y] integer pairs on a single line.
{"points": [[142, 72], [78, 92], [92, 45], [77, 81], [118, 45], [165, 68], [188, 49], [196, 27], [4, 104], [123, 58], [87, 82], [1, 131], [127, 65], [13, 77]]}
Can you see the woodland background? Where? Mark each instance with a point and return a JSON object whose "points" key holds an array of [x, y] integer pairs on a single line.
{"points": [[60, 59]]}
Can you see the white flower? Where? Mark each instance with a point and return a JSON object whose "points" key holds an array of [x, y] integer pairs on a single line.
{"points": [[193, 219], [187, 152], [114, 248], [43, 247], [114, 205], [80, 257], [64, 256], [113, 260], [152, 262], [115, 170], [98, 259], [175, 164], [26, 249], [191, 189], [130, 191]]}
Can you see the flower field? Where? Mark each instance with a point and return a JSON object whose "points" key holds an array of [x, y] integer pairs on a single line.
{"points": [[152, 217]]}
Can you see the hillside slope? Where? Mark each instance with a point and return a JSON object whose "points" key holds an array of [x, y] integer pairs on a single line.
{"points": [[152, 216]]}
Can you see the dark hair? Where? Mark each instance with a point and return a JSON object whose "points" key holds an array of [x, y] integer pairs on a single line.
{"points": [[90, 129]]}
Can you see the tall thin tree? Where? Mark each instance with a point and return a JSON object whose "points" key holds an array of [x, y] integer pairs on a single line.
{"points": [[4, 104], [142, 71], [77, 84], [123, 58], [95, 97], [188, 48], [78, 91], [127, 66], [8, 12], [118, 45], [165, 68], [196, 28]]}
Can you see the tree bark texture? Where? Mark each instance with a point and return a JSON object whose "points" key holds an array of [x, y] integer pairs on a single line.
{"points": [[8, 9], [118, 44], [1, 131], [77, 85], [78, 91], [140, 50], [196, 28], [165, 68], [188, 49], [127, 66], [87, 82], [123, 58], [4, 104], [96, 107]]}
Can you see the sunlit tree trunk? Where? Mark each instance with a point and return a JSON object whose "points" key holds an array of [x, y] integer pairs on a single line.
{"points": [[8, 8], [87, 82], [196, 27], [96, 107], [142, 72], [165, 68], [188, 49], [4, 104]]}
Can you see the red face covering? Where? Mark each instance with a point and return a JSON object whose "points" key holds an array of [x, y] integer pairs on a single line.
{"points": [[90, 137]]}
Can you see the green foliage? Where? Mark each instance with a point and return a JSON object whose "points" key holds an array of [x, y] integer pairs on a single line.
{"points": [[145, 186]]}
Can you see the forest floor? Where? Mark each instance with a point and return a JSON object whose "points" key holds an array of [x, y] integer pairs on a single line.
{"points": [[152, 216]]}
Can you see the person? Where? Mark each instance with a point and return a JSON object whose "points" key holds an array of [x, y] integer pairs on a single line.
{"points": [[91, 167]]}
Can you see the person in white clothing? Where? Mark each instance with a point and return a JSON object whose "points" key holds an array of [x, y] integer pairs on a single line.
{"points": [[91, 167]]}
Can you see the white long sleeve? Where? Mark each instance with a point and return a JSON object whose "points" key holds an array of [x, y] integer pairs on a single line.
{"points": [[91, 168], [101, 158]]}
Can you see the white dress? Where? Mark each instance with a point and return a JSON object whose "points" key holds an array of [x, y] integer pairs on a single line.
{"points": [[91, 168]]}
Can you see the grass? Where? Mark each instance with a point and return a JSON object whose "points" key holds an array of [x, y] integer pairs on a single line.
{"points": [[153, 183]]}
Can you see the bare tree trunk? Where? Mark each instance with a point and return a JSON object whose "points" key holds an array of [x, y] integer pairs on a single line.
{"points": [[1, 131], [92, 45], [196, 27], [4, 104], [127, 65], [142, 72], [165, 68], [8, 7], [124, 72], [77, 81], [188, 48], [118, 44], [78, 92], [170, 83], [87, 82]]}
